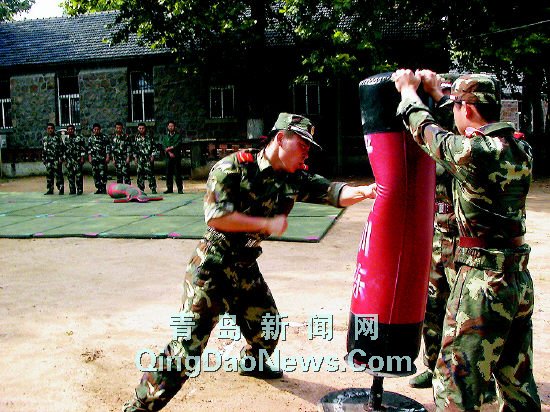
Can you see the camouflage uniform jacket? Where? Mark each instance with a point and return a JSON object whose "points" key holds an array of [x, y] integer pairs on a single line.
{"points": [[445, 222], [75, 147], [99, 146], [53, 147], [245, 182], [121, 146], [143, 147], [492, 172]]}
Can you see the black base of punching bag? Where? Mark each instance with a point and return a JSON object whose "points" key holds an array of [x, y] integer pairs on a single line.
{"points": [[386, 355], [372, 400]]}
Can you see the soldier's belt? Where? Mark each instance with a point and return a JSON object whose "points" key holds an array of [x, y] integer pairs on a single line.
{"points": [[486, 243], [243, 256], [443, 208]]}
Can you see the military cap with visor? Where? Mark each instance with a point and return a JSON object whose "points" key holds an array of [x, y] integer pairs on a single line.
{"points": [[475, 89], [296, 123]]}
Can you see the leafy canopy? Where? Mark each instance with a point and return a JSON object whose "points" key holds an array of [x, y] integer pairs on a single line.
{"points": [[9, 8]]}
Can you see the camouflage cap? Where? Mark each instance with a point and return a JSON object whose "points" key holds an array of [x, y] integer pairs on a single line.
{"points": [[447, 80], [475, 88], [296, 123]]}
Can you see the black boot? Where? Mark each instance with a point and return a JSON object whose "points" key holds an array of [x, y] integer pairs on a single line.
{"points": [[249, 368]]}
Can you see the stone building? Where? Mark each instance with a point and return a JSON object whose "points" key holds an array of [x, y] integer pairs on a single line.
{"points": [[63, 70]]}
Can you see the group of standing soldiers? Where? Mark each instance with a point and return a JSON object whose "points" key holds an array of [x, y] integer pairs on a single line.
{"points": [[100, 149]]}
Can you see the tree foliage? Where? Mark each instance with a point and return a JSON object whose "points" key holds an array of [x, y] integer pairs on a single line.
{"points": [[76, 7], [9, 8], [352, 38]]}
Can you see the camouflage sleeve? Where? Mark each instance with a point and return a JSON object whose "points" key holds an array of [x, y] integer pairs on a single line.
{"points": [[92, 146], [317, 189], [81, 146], [453, 152], [222, 189], [62, 148], [108, 146]]}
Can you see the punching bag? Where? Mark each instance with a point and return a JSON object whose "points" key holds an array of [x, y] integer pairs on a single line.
{"points": [[393, 261]]}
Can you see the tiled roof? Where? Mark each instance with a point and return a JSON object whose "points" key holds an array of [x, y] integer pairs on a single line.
{"points": [[64, 39]]}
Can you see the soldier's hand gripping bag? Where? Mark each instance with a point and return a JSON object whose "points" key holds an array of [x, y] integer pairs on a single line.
{"points": [[391, 276]]}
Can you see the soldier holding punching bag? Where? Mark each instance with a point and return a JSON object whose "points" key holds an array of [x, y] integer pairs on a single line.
{"points": [[487, 329]]}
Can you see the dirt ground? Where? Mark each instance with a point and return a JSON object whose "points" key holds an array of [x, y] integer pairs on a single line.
{"points": [[75, 312]]}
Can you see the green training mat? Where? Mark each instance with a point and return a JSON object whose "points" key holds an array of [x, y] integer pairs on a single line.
{"points": [[26, 215]]}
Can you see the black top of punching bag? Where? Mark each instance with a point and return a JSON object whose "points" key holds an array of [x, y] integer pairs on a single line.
{"points": [[378, 99]]}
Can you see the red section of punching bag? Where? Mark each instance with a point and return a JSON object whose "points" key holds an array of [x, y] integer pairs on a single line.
{"points": [[395, 250]]}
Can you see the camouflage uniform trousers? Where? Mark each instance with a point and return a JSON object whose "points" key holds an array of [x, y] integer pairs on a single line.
{"points": [[99, 172], [54, 168], [74, 175], [442, 277], [122, 170], [210, 290], [145, 171], [488, 330]]}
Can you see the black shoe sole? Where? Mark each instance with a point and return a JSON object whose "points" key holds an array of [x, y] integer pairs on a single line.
{"points": [[261, 375]]}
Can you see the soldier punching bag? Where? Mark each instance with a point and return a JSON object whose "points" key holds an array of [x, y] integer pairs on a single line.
{"points": [[393, 261]]}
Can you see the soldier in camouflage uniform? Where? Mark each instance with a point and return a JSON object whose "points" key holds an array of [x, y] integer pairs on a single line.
{"points": [[445, 242], [488, 327], [442, 275], [121, 149], [99, 150], [52, 156], [144, 151], [248, 197], [442, 272], [75, 152]]}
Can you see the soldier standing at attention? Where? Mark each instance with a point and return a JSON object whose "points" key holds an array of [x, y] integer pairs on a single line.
{"points": [[487, 328], [172, 145], [52, 156], [144, 150], [121, 149], [75, 152], [249, 195], [99, 149]]}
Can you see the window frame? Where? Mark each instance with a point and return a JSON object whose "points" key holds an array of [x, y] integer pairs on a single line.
{"points": [[223, 111], [6, 121], [149, 89], [305, 100], [73, 103]]}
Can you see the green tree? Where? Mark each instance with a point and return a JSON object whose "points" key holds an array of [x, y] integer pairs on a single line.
{"points": [[336, 39], [512, 41], [9, 8], [76, 7]]}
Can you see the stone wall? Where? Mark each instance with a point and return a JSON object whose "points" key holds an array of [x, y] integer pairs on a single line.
{"points": [[33, 106], [103, 98], [177, 97]]}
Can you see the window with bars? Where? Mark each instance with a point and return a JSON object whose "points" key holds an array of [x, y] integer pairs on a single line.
{"points": [[68, 100], [5, 104], [222, 102], [143, 97], [307, 98]]}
